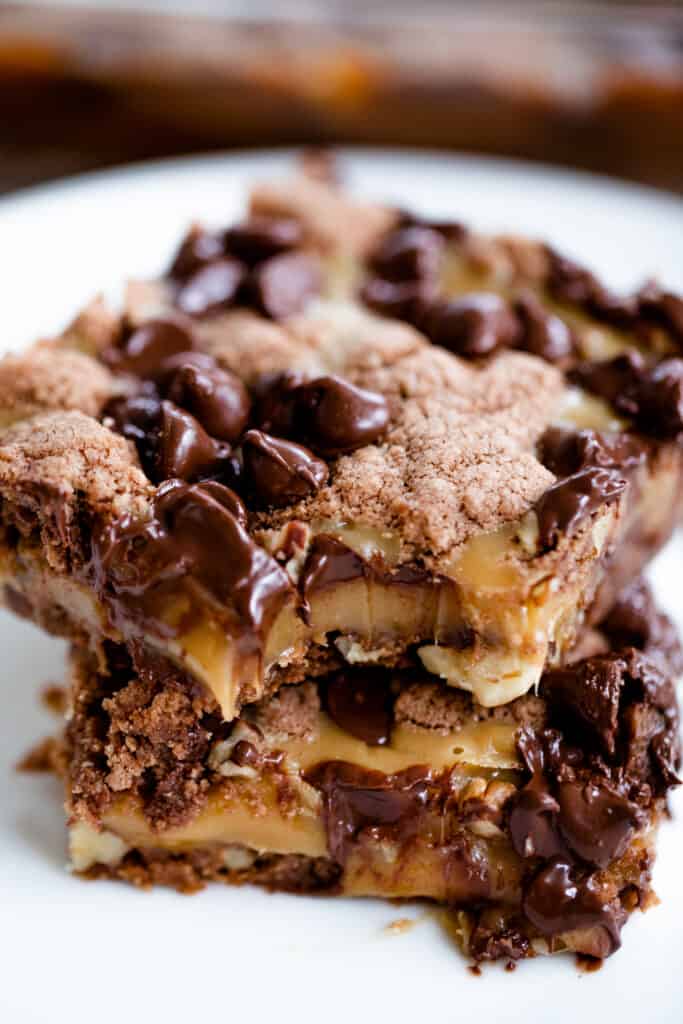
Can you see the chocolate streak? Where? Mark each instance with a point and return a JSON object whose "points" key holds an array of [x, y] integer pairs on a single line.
{"points": [[194, 547]]}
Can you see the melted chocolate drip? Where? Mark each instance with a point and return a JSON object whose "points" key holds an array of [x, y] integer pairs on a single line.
{"points": [[361, 702], [195, 545], [330, 562], [279, 472], [356, 798], [566, 452], [564, 506], [557, 901]]}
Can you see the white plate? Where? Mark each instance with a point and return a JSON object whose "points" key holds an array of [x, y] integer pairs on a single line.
{"points": [[76, 952]]}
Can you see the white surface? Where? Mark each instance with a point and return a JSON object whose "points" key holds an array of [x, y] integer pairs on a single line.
{"points": [[76, 952]]}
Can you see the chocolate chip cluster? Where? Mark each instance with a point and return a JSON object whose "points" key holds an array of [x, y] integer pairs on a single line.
{"points": [[192, 420], [258, 264], [648, 309], [404, 282], [649, 393]]}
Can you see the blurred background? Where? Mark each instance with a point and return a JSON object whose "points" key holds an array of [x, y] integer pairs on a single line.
{"points": [[597, 86]]}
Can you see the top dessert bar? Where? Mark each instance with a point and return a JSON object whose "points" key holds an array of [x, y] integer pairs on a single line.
{"points": [[336, 432]]}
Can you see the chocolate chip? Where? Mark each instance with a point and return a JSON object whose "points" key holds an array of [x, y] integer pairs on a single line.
{"points": [[279, 472], [360, 702], [401, 300], [408, 254], [635, 622], [196, 250], [216, 397], [590, 694], [558, 900], [227, 498], [282, 285], [596, 822], [472, 325], [212, 288], [543, 334], [334, 416], [567, 503], [185, 450], [570, 282], [138, 418], [566, 451], [145, 348], [274, 397], [651, 395], [259, 238], [532, 820], [662, 308]]}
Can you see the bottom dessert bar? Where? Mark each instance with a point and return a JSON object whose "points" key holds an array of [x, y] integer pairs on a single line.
{"points": [[534, 823]]}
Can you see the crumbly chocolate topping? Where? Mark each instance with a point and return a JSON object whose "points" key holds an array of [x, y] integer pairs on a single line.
{"points": [[47, 379], [143, 730]]}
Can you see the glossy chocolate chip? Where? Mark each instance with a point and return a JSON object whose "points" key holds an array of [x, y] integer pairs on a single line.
{"points": [[543, 333], [567, 503], [564, 451], [196, 250], [557, 900], [407, 254], [532, 820], [216, 397], [357, 798], [334, 417], [596, 822], [212, 288], [259, 238], [400, 300], [282, 285], [274, 396], [194, 543], [360, 702], [185, 450], [472, 325], [145, 348], [279, 472], [138, 418]]}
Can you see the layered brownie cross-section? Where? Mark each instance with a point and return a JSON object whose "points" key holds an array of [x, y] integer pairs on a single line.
{"points": [[534, 823]]}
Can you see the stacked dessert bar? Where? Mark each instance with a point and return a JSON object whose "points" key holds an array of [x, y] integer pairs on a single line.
{"points": [[345, 518]]}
